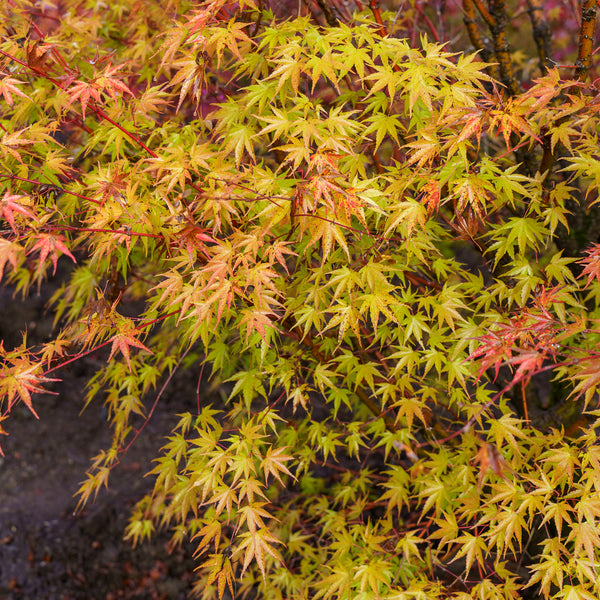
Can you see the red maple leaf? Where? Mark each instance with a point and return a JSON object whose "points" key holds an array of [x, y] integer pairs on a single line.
{"points": [[11, 204], [591, 264], [51, 244]]}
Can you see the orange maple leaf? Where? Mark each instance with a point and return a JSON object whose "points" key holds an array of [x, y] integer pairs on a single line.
{"points": [[9, 253], [257, 544], [222, 572], [273, 463], [8, 87], [21, 380], [125, 339], [111, 85], [82, 91]]}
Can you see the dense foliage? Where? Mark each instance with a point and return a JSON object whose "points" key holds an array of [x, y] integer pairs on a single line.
{"points": [[385, 253]]}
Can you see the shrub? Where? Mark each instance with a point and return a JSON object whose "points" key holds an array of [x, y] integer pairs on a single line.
{"points": [[385, 252]]}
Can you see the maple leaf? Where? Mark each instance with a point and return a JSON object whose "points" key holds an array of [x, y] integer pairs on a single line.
{"points": [[15, 203], [258, 544], [471, 127], [21, 380], [258, 320], [123, 340], [252, 514], [199, 18], [591, 264], [489, 458], [51, 244], [9, 252], [83, 91], [529, 364], [431, 196], [211, 532], [588, 379], [494, 351], [110, 85], [2, 431], [273, 462], [37, 55], [194, 239], [8, 87], [191, 75], [222, 573], [11, 141], [152, 100]]}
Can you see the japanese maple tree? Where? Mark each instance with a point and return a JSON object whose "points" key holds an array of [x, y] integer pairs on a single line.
{"points": [[376, 229]]}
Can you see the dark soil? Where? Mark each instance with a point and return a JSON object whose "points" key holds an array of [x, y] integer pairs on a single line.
{"points": [[47, 551]]}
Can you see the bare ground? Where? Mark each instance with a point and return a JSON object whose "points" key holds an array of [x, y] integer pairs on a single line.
{"points": [[48, 552]]}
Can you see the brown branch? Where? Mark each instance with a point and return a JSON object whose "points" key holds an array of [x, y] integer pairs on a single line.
{"points": [[485, 15], [542, 33], [475, 37], [586, 39], [328, 11], [256, 25], [501, 46]]}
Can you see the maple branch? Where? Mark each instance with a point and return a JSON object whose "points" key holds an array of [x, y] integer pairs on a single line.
{"points": [[98, 111], [586, 39], [96, 230], [485, 15], [40, 183], [132, 136], [152, 408], [524, 401], [84, 353], [348, 227], [583, 63], [501, 46], [374, 6], [78, 356], [329, 13], [475, 37], [542, 33], [427, 20]]}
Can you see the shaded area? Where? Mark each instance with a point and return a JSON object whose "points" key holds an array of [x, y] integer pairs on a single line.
{"points": [[48, 552]]}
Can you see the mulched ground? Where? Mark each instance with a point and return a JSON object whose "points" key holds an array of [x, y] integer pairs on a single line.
{"points": [[46, 551]]}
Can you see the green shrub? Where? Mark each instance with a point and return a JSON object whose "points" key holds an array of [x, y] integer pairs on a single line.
{"points": [[387, 259]]}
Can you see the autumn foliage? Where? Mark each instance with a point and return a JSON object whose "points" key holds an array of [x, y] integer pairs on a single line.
{"points": [[384, 251]]}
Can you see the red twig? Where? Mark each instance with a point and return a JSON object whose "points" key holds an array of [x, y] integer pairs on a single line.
{"points": [[152, 409], [98, 111], [64, 191], [374, 6], [427, 20]]}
